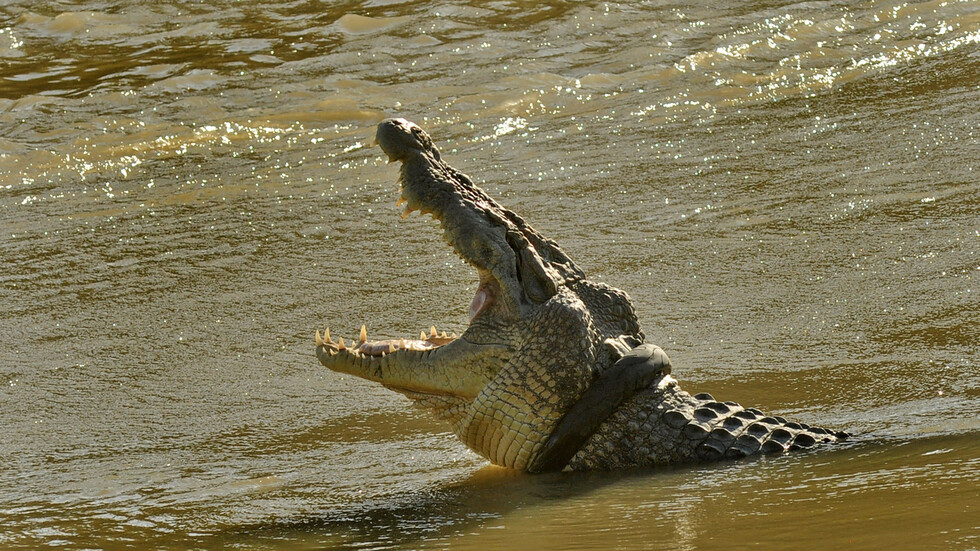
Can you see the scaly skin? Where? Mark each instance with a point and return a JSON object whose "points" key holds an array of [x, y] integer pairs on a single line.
{"points": [[552, 371]]}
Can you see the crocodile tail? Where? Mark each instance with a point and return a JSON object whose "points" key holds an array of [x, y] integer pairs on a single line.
{"points": [[726, 429]]}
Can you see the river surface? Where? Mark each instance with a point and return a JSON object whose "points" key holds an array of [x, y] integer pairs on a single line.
{"points": [[789, 191]]}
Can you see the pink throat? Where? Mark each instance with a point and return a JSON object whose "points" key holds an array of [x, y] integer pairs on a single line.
{"points": [[479, 302]]}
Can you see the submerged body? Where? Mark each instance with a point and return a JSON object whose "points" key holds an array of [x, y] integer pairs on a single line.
{"points": [[552, 371]]}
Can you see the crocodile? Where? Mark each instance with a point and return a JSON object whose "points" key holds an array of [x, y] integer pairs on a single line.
{"points": [[553, 371]]}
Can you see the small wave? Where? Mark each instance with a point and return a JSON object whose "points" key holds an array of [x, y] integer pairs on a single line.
{"points": [[91, 24], [193, 80], [360, 24]]}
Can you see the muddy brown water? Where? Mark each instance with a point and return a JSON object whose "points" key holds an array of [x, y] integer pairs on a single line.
{"points": [[790, 192]]}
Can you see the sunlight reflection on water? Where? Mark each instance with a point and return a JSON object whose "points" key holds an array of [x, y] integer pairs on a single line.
{"points": [[788, 193]]}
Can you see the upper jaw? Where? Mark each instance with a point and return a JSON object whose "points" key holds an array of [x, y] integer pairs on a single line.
{"points": [[472, 222]]}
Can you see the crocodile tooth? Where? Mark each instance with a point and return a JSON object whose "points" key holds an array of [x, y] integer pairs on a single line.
{"points": [[401, 199], [326, 335], [454, 334], [363, 337], [432, 331], [421, 335], [391, 348], [341, 344], [319, 341], [444, 335]]}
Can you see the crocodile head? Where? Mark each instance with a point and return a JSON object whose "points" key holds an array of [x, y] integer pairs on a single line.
{"points": [[539, 331]]}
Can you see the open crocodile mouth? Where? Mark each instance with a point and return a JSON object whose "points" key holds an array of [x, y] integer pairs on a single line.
{"points": [[379, 359], [484, 236]]}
